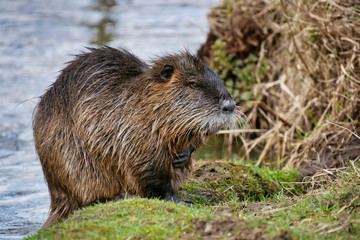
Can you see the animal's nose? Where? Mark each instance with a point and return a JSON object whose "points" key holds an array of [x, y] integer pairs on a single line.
{"points": [[228, 107]]}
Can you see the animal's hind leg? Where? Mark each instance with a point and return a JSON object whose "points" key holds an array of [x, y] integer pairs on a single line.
{"points": [[121, 196], [61, 207]]}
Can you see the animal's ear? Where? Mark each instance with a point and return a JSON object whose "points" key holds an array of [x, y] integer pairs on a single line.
{"points": [[166, 72]]}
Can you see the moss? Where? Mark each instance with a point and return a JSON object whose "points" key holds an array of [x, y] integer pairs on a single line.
{"points": [[329, 211], [132, 218], [215, 182]]}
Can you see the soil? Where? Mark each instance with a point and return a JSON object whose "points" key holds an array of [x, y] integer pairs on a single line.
{"points": [[234, 229]]}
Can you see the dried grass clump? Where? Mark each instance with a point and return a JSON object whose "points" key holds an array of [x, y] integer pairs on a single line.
{"points": [[309, 101]]}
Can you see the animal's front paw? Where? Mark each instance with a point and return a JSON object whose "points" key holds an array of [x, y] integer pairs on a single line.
{"points": [[181, 159], [176, 199]]}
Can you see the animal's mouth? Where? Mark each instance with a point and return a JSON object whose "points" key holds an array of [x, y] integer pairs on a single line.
{"points": [[215, 124], [213, 130]]}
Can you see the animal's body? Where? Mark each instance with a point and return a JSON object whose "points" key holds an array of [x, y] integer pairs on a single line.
{"points": [[111, 124]]}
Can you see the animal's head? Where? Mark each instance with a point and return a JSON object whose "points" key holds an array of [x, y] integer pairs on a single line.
{"points": [[191, 100]]}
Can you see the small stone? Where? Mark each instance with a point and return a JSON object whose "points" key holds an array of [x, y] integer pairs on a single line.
{"points": [[208, 228]]}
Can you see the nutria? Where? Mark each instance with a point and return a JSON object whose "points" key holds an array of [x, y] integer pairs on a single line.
{"points": [[111, 124]]}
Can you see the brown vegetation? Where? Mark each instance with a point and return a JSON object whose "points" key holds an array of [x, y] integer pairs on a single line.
{"points": [[306, 83]]}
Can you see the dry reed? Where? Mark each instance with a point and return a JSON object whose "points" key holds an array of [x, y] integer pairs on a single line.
{"points": [[309, 101]]}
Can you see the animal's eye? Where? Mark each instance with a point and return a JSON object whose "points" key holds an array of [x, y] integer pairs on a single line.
{"points": [[194, 85]]}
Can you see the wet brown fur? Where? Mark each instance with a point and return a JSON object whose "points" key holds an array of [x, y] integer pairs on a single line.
{"points": [[111, 124]]}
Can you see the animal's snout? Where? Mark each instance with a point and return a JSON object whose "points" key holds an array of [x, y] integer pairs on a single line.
{"points": [[228, 106]]}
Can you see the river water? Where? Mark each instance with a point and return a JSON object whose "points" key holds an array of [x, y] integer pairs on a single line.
{"points": [[37, 37]]}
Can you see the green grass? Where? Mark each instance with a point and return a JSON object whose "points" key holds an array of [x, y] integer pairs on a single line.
{"points": [[286, 211], [329, 212], [132, 218]]}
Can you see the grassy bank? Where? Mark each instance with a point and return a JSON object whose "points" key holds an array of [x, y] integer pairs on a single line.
{"points": [[278, 208]]}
